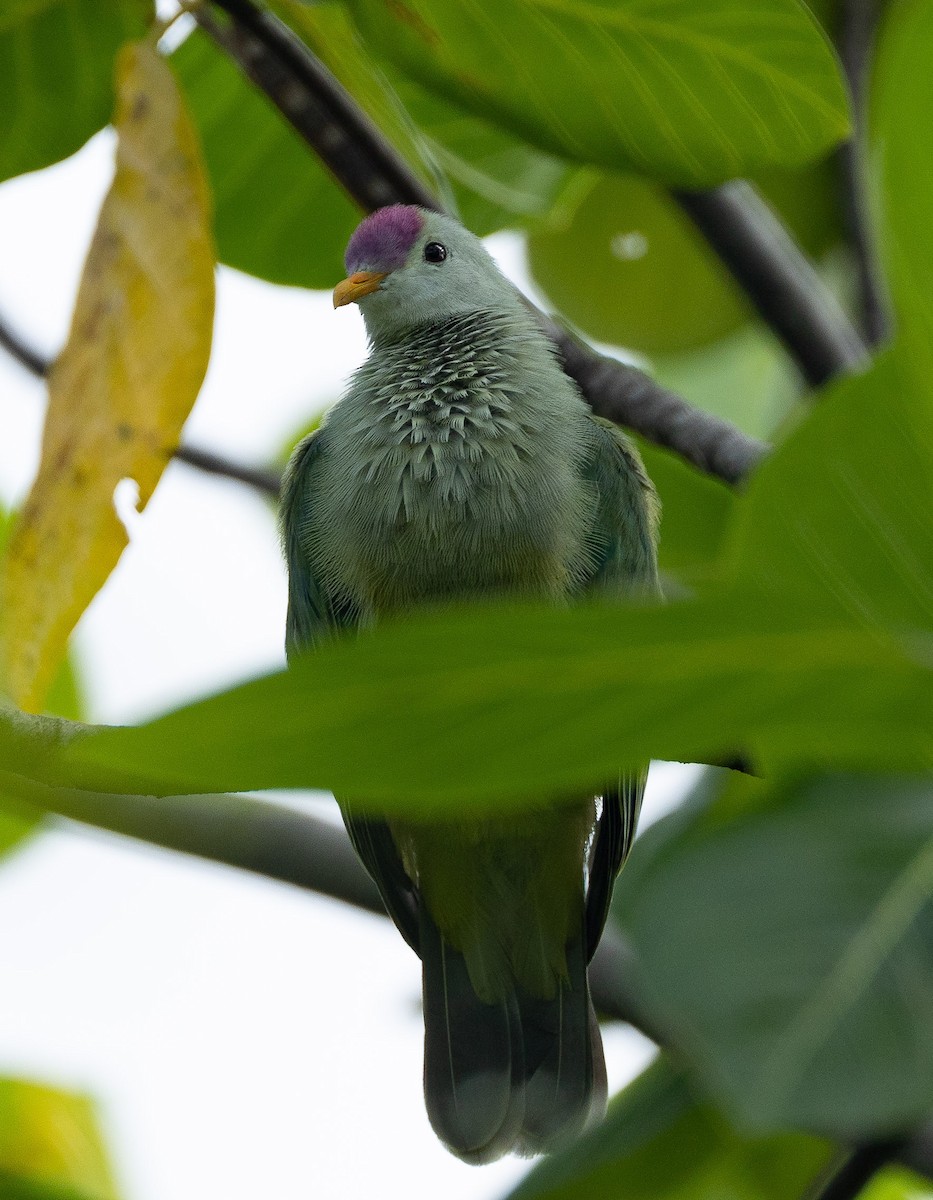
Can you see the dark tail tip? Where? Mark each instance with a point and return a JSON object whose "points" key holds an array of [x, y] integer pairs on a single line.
{"points": [[473, 1074]]}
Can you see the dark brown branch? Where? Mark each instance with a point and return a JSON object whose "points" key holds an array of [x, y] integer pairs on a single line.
{"points": [[778, 279], [856, 38], [372, 173], [629, 397], [847, 1178], [262, 479], [317, 106]]}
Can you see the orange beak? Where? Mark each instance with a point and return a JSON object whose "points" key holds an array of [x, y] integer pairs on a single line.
{"points": [[348, 291]]}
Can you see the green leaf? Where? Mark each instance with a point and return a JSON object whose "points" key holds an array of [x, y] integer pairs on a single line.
{"points": [[56, 74], [901, 116], [840, 514], [630, 268], [50, 1145], [696, 510], [659, 1143], [788, 951], [278, 213], [689, 94], [897, 1183], [746, 378], [525, 704], [496, 179]]}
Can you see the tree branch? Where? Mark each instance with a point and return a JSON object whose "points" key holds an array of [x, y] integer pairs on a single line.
{"points": [[778, 279], [848, 1177], [373, 174], [856, 37], [262, 479], [278, 842]]}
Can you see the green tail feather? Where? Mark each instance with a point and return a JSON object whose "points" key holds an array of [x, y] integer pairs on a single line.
{"points": [[473, 1074], [520, 1074]]}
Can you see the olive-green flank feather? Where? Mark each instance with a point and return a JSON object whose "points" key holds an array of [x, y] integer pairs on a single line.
{"points": [[462, 462]]}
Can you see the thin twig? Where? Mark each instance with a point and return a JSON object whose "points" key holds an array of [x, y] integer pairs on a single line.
{"points": [[27, 356], [778, 279], [859, 20], [263, 479], [373, 174]]}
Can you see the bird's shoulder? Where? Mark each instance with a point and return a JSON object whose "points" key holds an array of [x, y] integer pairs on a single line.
{"points": [[628, 511]]}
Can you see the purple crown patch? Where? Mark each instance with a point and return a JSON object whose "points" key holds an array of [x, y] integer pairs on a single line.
{"points": [[383, 241]]}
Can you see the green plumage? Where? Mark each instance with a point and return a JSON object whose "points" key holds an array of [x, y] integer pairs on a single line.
{"points": [[461, 463]]}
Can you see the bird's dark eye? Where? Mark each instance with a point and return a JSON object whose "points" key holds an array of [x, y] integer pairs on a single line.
{"points": [[434, 252]]}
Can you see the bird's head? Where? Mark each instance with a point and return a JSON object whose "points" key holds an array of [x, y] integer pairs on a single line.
{"points": [[409, 267]]}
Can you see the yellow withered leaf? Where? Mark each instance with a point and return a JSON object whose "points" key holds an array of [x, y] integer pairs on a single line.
{"points": [[127, 378]]}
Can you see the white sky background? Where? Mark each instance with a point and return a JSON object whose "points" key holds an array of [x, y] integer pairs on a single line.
{"points": [[245, 1039]]}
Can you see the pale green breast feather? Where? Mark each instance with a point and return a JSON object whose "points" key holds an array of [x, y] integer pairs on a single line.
{"points": [[453, 466]]}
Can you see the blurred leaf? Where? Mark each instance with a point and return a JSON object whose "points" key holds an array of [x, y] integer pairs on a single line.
{"points": [[789, 952], [56, 74], [631, 269], [746, 378], [695, 514], [127, 378], [807, 201], [278, 213], [840, 514], [50, 1145], [525, 704], [897, 1183], [901, 116], [658, 1143], [65, 698], [620, 83], [17, 823], [66, 694]]}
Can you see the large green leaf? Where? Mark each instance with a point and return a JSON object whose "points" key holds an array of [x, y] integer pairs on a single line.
{"points": [[788, 950], [840, 514], [50, 1145], [631, 269], [902, 114], [659, 1143], [278, 213], [56, 74], [496, 179], [690, 94], [525, 704]]}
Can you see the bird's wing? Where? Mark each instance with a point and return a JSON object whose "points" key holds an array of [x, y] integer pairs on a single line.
{"points": [[624, 563], [313, 616]]}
